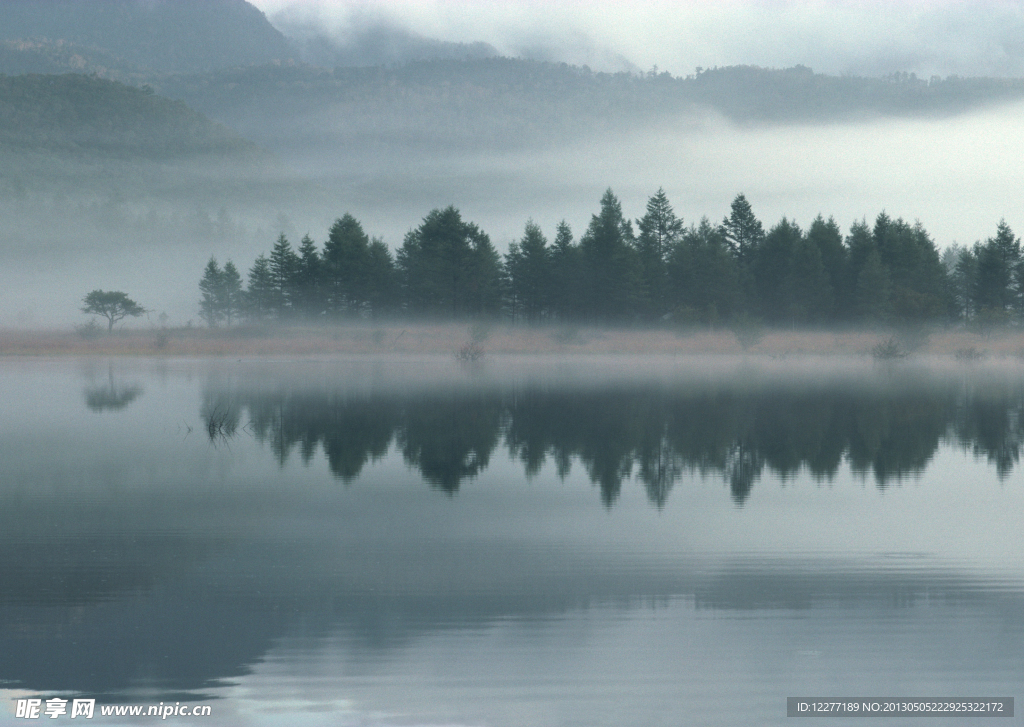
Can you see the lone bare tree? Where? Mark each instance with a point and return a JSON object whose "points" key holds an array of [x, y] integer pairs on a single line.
{"points": [[112, 305]]}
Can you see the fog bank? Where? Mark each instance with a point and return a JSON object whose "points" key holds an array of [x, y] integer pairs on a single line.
{"points": [[935, 38]]}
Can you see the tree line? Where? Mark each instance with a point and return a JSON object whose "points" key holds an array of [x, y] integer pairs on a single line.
{"points": [[655, 271]]}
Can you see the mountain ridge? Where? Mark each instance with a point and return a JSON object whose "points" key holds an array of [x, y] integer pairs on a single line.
{"points": [[151, 35], [510, 103]]}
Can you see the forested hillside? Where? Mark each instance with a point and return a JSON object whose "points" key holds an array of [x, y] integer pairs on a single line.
{"points": [[225, 59], [747, 93], [60, 56], [84, 116], [506, 103], [157, 35]]}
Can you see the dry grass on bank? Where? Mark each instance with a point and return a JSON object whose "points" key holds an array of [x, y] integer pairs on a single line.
{"points": [[450, 339]]}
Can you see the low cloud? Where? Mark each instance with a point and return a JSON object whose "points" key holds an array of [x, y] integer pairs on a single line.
{"points": [[862, 38]]}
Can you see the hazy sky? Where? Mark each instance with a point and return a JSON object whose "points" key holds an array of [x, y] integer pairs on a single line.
{"points": [[866, 37]]}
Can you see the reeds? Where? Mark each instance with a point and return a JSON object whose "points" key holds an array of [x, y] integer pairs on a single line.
{"points": [[221, 424]]}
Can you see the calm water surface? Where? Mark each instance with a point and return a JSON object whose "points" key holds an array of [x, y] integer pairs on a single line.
{"points": [[606, 541]]}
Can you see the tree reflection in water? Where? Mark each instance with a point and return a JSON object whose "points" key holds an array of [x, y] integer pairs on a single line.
{"points": [[654, 434], [111, 396]]}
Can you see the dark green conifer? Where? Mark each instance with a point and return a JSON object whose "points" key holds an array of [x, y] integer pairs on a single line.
{"points": [[660, 231], [210, 286]]}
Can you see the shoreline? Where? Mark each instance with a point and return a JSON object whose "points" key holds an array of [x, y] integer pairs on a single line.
{"points": [[499, 339]]}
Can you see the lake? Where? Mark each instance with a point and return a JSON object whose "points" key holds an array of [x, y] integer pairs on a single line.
{"points": [[526, 541]]}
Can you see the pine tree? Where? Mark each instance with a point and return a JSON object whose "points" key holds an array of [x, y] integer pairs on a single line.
{"points": [[229, 294], [308, 284], [346, 260], [811, 289], [960, 263], [210, 286], [513, 281], [449, 267], [828, 238], [534, 287], [873, 289], [772, 266], [918, 285], [996, 292], [260, 295], [380, 279], [660, 231], [860, 244], [744, 235], [284, 268], [483, 299], [564, 280], [743, 231], [704, 280], [611, 289]]}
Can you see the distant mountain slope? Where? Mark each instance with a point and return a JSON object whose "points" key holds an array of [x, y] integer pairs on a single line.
{"points": [[86, 116], [749, 93], [510, 103], [153, 35], [60, 56]]}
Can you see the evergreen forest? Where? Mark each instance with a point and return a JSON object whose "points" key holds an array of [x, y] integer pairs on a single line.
{"points": [[653, 270]]}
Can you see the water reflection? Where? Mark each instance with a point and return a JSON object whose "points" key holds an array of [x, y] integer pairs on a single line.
{"points": [[140, 564], [111, 396], [655, 433]]}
